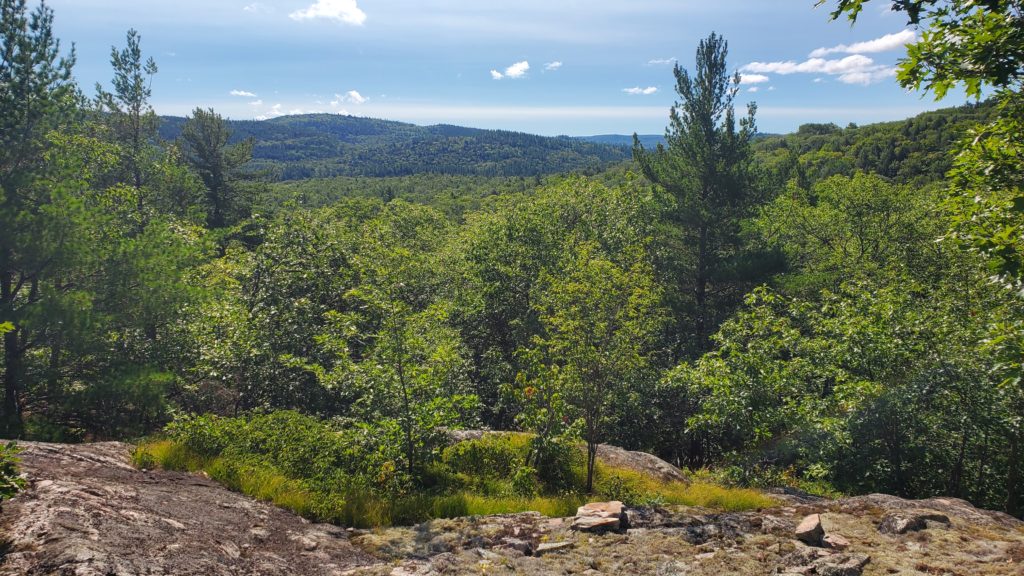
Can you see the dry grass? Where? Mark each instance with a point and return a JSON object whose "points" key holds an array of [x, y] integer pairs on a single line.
{"points": [[361, 509], [644, 489]]}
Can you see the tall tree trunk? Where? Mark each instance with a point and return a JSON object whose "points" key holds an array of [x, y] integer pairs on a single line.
{"points": [[591, 460]]}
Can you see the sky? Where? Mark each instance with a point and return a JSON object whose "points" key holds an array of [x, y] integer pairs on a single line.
{"points": [[574, 67]]}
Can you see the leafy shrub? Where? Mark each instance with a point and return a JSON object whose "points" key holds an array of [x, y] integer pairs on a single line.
{"points": [[10, 482], [616, 487], [207, 435], [300, 446], [558, 466], [493, 456], [812, 480], [524, 482]]}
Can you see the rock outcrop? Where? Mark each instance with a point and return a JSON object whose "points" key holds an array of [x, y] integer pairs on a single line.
{"points": [[88, 512]]}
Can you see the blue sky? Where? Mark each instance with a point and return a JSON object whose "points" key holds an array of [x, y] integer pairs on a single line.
{"points": [[572, 67]]}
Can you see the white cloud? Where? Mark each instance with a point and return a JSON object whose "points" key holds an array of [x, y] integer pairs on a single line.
{"points": [[638, 91], [244, 93], [350, 97], [517, 70], [274, 112], [753, 78], [553, 65], [354, 97], [256, 103], [819, 80], [661, 61], [258, 8], [883, 44], [854, 69], [752, 89], [345, 11]]}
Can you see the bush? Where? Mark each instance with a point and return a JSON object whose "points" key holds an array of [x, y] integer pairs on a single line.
{"points": [[10, 481], [207, 435], [301, 446], [616, 487], [558, 466], [493, 456]]}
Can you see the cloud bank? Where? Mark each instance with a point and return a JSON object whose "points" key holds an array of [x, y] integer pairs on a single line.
{"points": [[855, 69], [884, 44]]}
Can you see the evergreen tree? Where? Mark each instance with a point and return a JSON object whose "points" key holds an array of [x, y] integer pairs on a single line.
{"points": [[205, 139], [705, 167], [36, 95], [132, 119]]}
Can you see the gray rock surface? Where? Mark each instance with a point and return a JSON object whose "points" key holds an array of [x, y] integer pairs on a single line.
{"points": [[905, 521], [88, 512]]}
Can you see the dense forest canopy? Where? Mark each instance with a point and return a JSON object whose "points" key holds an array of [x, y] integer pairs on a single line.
{"points": [[326, 145], [836, 309]]}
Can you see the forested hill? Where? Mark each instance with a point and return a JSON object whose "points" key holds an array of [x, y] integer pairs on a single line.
{"points": [[648, 140], [325, 145], [917, 150]]}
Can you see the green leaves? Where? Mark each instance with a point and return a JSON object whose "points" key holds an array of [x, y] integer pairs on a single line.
{"points": [[964, 43], [10, 481]]}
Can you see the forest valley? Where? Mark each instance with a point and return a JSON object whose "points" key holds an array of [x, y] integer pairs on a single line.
{"points": [[837, 310]]}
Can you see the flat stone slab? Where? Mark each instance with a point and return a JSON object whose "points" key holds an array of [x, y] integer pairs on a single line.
{"points": [[600, 517]]}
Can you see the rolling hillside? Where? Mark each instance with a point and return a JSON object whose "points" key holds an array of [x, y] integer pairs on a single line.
{"points": [[326, 145]]}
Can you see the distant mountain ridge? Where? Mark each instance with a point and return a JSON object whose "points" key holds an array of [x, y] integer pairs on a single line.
{"points": [[327, 145]]}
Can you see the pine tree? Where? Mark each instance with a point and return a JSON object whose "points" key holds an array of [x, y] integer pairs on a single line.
{"points": [[205, 143], [37, 94], [705, 167]]}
